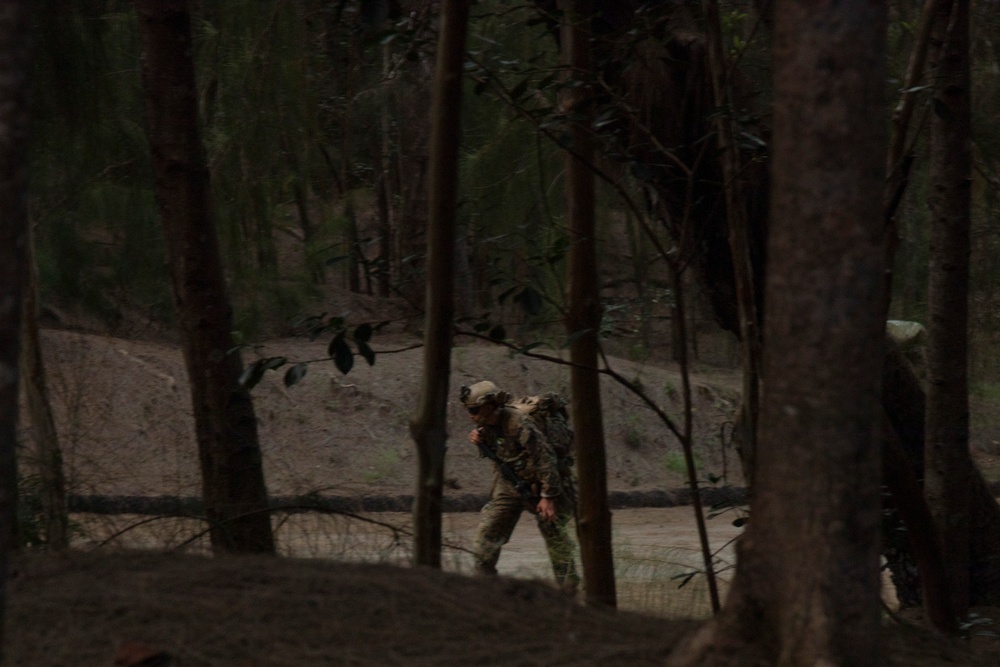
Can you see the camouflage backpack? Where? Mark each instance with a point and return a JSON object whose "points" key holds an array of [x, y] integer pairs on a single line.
{"points": [[549, 412]]}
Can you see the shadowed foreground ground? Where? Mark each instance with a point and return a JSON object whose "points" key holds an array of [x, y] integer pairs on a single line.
{"points": [[82, 609]]}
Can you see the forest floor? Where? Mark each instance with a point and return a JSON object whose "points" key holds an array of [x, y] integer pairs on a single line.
{"points": [[139, 584]]}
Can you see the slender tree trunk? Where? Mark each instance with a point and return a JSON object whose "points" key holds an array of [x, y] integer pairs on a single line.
{"points": [[385, 230], [921, 536], [678, 346], [355, 260], [806, 590], [387, 187], [584, 319], [903, 112], [905, 402], [300, 193], [43, 426], [429, 426], [225, 424], [948, 465], [900, 158], [739, 244], [687, 443], [15, 68]]}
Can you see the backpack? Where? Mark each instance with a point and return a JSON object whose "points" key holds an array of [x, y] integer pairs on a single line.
{"points": [[549, 412]]}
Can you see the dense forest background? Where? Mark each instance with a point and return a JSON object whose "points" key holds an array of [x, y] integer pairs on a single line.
{"points": [[315, 122]]}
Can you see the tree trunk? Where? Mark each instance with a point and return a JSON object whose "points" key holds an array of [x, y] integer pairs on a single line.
{"points": [[355, 259], [386, 191], [583, 319], [904, 402], [225, 424], [299, 185], [948, 465], [43, 427], [15, 69], [806, 589], [429, 426], [385, 230], [739, 244], [916, 528]]}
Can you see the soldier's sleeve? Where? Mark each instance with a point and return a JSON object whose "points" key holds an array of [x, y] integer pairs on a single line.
{"points": [[544, 459]]}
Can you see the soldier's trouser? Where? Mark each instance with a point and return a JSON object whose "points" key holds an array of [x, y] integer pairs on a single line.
{"points": [[499, 518]]}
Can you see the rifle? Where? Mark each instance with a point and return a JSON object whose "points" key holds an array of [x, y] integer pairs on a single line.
{"points": [[508, 473]]}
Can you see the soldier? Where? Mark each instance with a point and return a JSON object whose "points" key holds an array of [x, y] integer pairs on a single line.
{"points": [[528, 474]]}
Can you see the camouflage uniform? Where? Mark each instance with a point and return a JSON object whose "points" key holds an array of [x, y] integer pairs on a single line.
{"points": [[521, 444]]}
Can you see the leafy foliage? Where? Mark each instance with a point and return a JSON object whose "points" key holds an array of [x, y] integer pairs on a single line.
{"points": [[339, 351]]}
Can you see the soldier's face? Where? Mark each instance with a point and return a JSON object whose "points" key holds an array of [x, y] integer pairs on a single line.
{"points": [[481, 414]]}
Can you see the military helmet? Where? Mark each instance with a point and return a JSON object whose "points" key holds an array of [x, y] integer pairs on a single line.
{"points": [[482, 393]]}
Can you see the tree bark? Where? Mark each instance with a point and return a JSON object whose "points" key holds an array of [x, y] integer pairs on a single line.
{"points": [[387, 190], [806, 589], [948, 465], [225, 423], [739, 243], [48, 455], [583, 319], [15, 69], [907, 501], [429, 426], [904, 402]]}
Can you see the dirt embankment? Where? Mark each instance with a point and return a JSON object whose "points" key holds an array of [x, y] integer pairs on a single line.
{"points": [[124, 422]]}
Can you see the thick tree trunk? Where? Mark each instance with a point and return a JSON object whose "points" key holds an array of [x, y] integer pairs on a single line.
{"points": [[48, 455], [806, 590], [948, 465], [14, 71], [429, 426], [225, 423], [583, 319]]}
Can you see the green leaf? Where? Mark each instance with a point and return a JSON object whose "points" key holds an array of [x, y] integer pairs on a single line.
{"points": [[506, 293], [343, 358], [295, 373], [366, 352], [331, 349], [363, 333], [252, 374], [274, 363], [753, 140]]}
